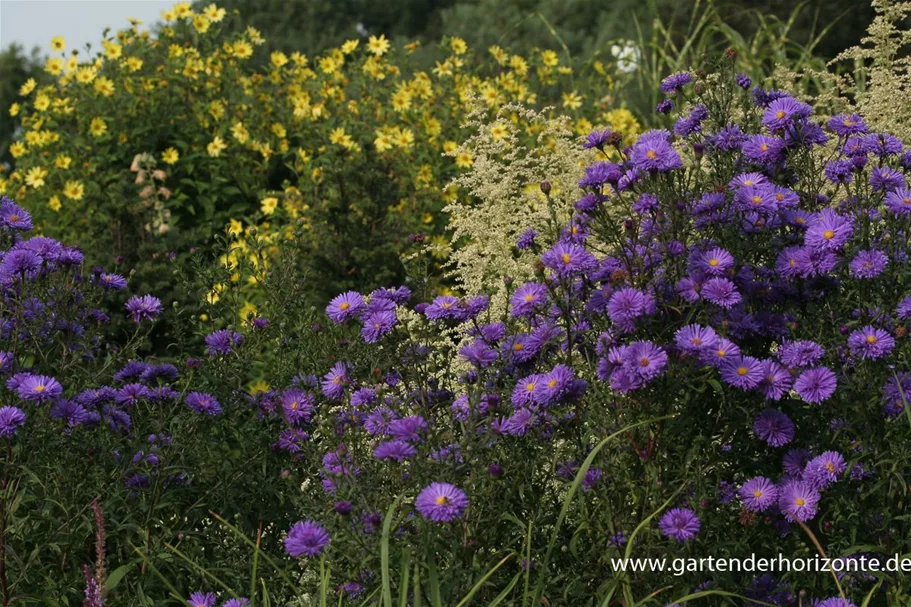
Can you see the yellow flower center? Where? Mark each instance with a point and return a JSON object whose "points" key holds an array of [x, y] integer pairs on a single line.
{"points": [[552, 383], [721, 353], [293, 406], [800, 220], [14, 217], [830, 466], [344, 306], [529, 297], [442, 500], [906, 201], [529, 387], [517, 347], [764, 147], [828, 234], [757, 493], [39, 389], [714, 263], [779, 114], [799, 501], [651, 154], [644, 361], [696, 341], [757, 199], [566, 258], [742, 370], [748, 182], [871, 339]]}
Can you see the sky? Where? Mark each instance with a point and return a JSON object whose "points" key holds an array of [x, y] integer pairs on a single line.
{"points": [[34, 22]]}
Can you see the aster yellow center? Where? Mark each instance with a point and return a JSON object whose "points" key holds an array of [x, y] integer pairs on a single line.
{"points": [[764, 147], [39, 388], [906, 201], [714, 262], [344, 306], [742, 370], [779, 197], [696, 341], [529, 387], [757, 199], [517, 347], [644, 362], [529, 297], [442, 500], [849, 123], [800, 220], [799, 502], [566, 258], [871, 339], [748, 182], [779, 114], [14, 218], [446, 305], [721, 353], [757, 493], [293, 406], [651, 154], [828, 234], [552, 383], [830, 466]]}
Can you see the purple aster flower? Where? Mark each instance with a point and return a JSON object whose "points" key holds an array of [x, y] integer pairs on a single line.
{"points": [[903, 310], [11, 419], [478, 353], [518, 423], [886, 179], [644, 359], [898, 201], [653, 152], [410, 428], [870, 343], [693, 121], [597, 139], [397, 450], [441, 502], [142, 308], [825, 469], [37, 388], [721, 292], [567, 258], [868, 264], [743, 81], [664, 106], [816, 385], [797, 501], [306, 538], [758, 494], [795, 460], [695, 338], [835, 602], [597, 175], [762, 150], [111, 281], [675, 82], [847, 125], [526, 239], [774, 427], [14, 217], [829, 231], [203, 403], [679, 524], [297, 405], [21, 263], [628, 304], [344, 307], [528, 298], [801, 353], [715, 262], [552, 386], [444, 306], [223, 342], [241, 602], [202, 599], [721, 353], [744, 372], [377, 325], [783, 112], [748, 180], [776, 380], [728, 139], [882, 144], [757, 199], [335, 381], [71, 412]]}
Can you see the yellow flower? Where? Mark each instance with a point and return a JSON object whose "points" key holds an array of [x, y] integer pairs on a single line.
{"points": [[378, 46], [168, 15], [73, 190], [278, 59], [433, 127], [71, 64], [182, 9], [550, 58], [235, 227], [247, 310], [85, 74], [464, 160], [268, 205], [201, 23], [499, 55], [54, 66], [28, 87], [54, 203], [383, 142], [401, 101], [217, 110], [572, 100], [98, 127], [170, 156], [104, 86], [215, 147], [340, 137], [458, 46], [112, 50], [42, 103], [18, 149], [62, 161], [280, 131], [518, 64], [350, 46], [134, 64], [58, 43], [260, 385], [35, 177], [14, 109], [450, 146], [403, 138], [239, 132], [498, 131], [214, 13], [242, 49]]}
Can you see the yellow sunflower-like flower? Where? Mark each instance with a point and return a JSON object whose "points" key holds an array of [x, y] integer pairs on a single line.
{"points": [[58, 43], [379, 46], [268, 205], [170, 156], [54, 203], [215, 147], [27, 87], [62, 161], [35, 176], [98, 127], [54, 66], [73, 190]]}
